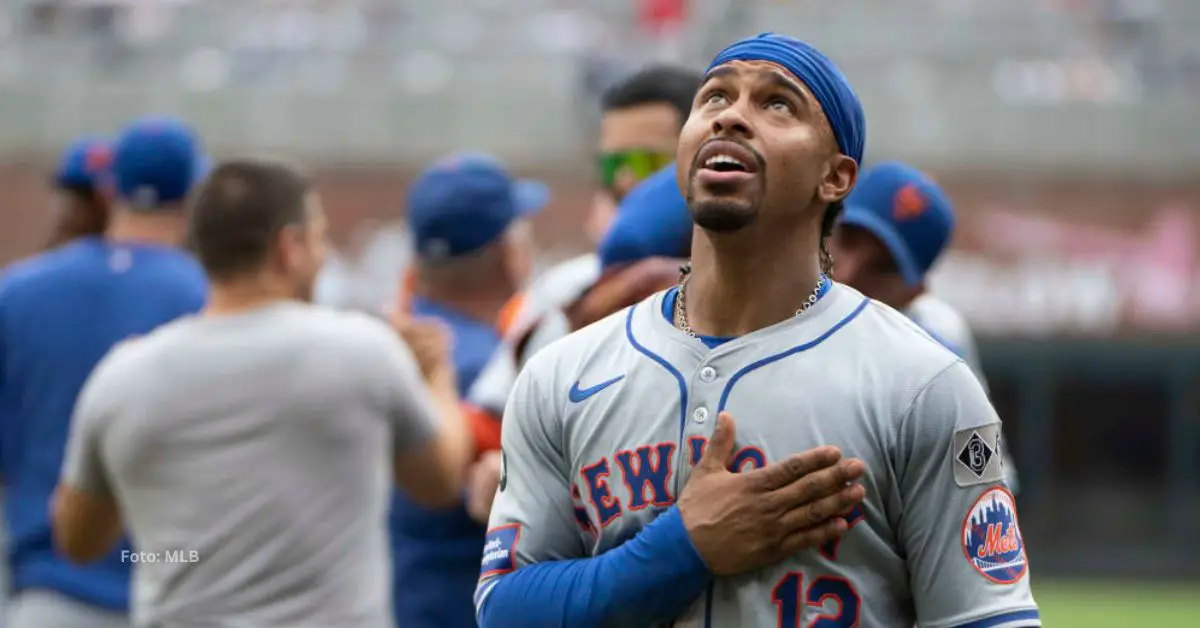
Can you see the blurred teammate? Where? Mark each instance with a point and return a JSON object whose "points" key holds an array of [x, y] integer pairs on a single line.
{"points": [[472, 239], [639, 128], [641, 254], [250, 448], [81, 198], [472, 249], [80, 209], [897, 223], [639, 131], [60, 313], [609, 428]]}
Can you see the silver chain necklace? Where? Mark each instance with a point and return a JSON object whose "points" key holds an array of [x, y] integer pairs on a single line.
{"points": [[681, 320]]}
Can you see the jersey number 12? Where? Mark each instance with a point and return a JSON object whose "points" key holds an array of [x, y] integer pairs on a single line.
{"points": [[791, 598]]}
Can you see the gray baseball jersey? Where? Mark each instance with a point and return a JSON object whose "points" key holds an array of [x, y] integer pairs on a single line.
{"points": [[944, 323], [251, 456], [604, 427], [940, 320]]}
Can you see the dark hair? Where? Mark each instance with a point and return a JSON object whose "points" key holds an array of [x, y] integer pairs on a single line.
{"points": [[82, 193], [667, 84], [88, 215], [239, 211]]}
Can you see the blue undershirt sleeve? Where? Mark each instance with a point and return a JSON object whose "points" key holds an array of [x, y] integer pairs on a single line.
{"points": [[655, 576]]}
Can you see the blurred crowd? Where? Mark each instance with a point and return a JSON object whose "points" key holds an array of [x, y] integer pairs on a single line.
{"points": [[1112, 50]]}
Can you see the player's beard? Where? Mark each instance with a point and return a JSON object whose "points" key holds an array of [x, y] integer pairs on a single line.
{"points": [[721, 215]]}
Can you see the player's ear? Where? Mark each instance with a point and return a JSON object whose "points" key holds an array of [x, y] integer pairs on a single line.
{"points": [[514, 251], [289, 247], [316, 229], [841, 173]]}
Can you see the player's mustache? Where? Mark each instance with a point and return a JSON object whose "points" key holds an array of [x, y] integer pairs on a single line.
{"points": [[758, 158]]}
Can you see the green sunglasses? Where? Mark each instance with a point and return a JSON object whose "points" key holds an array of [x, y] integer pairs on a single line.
{"points": [[639, 163]]}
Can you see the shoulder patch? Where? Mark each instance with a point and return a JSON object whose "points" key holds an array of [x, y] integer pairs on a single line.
{"points": [[499, 550], [975, 456], [991, 537]]}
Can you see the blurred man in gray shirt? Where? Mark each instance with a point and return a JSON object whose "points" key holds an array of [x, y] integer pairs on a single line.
{"points": [[250, 449]]}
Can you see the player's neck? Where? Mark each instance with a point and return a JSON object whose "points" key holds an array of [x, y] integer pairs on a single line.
{"points": [[740, 284], [245, 294], [163, 229]]}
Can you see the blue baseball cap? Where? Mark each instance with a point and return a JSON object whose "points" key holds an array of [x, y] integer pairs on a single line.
{"points": [[907, 211], [156, 161], [464, 202], [651, 221], [84, 163]]}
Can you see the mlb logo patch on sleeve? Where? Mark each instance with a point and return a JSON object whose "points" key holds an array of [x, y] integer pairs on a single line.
{"points": [[975, 456], [499, 550], [991, 537]]}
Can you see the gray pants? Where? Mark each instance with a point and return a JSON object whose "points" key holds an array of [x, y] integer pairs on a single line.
{"points": [[39, 608]]}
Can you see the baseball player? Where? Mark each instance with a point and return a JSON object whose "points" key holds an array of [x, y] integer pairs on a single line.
{"points": [[896, 225], [639, 129], [249, 448], [79, 182], [469, 219], [60, 312], [80, 210], [628, 496]]}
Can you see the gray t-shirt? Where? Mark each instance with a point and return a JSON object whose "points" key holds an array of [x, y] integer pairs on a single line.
{"points": [[251, 457], [604, 427]]}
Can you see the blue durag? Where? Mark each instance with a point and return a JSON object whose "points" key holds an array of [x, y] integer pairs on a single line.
{"points": [[826, 82]]}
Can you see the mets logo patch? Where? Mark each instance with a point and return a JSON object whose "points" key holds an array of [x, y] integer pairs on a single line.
{"points": [[499, 550], [991, 537]]}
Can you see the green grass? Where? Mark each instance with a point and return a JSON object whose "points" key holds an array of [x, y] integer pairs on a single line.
{"points": [[1083, 604]]}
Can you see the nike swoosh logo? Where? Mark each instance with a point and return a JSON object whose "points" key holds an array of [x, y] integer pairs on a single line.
{"points": [[578, 394]]}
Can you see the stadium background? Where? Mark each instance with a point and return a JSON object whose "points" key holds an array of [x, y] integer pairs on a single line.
{"points": [[1064, 130]]}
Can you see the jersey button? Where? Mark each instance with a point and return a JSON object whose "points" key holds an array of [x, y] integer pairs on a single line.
{"points": [[700, 414], [708, 374]]}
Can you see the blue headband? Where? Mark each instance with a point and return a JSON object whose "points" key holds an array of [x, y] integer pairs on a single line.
{"points": [[815, 70]]}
